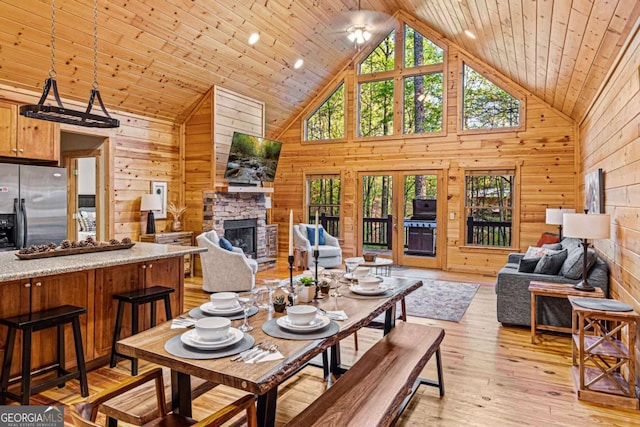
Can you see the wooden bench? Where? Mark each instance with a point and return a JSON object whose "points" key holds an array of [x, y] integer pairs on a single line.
{"points": [[375, 390]]}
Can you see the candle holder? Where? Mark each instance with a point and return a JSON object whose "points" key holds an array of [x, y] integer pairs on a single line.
{"points": [[316, 255], [292, 289]]}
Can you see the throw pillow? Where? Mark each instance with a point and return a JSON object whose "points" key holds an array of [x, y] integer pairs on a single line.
{"points": [[528, 265], [551, 262], [535, 252], [548, 238], [225, 244], [311, 235], [553, 246], [572, 267]]}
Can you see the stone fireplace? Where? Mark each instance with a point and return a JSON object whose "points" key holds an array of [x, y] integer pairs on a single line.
{"points": [[228, 212]]}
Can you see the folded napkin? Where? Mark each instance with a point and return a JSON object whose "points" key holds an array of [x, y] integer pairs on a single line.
{"points": [[337, 315], [264, 357], [182, 322]]}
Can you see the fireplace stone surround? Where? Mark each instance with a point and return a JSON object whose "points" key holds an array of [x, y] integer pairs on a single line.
{"points": [[220, 206]]}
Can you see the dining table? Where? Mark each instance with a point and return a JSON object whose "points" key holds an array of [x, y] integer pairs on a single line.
{"points": [[263, 378]]}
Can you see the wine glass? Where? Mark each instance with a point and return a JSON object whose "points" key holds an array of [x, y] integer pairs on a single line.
{"points": [[246, 300], [351, 266], [272, 285], [335, 284]]}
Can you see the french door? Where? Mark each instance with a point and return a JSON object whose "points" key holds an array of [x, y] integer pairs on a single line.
{"points": [[399, 216]]}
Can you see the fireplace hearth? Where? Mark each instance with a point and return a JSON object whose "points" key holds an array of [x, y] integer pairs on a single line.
{"points": [[242, 234]]}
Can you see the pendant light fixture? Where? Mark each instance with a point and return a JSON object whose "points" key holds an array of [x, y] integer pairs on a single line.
{"points": [[59, 113]]}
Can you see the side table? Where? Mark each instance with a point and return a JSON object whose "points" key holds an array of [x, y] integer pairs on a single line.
{"points": [[300, 258], [606, 340], [556, 290]]}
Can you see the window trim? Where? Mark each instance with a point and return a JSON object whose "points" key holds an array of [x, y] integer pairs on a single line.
{"points": [[462, 60], [515, 213], [397, 75], [311, 173], [342, 83]]}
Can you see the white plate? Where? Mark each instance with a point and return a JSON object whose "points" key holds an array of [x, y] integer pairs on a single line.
{"points": [[374, 278], [318, 323], [208, 308], [198, 340], [191, 339], [356, 289]]}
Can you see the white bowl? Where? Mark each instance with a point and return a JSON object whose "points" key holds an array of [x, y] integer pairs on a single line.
{"points": [[368, 282], [361, 272], [301, 314], [212, 328], [224, 300]]}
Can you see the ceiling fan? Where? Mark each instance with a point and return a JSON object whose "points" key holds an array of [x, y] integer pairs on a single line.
{"points": [[360, 25]]}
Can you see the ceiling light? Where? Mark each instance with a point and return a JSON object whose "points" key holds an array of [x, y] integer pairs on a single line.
{"points": [[59, 113], [253, 38], [358, 34], [470, 34], [298, 64]]}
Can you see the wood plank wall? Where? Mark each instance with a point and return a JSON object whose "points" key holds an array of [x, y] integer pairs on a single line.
{"points": [[610, 139], [141, 150], [208, 132], [544, 151]]}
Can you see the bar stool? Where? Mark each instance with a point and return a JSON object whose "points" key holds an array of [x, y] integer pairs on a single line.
{"points": [[136, 298], [29, 323]]}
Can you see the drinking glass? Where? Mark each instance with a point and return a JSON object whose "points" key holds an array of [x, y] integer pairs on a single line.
{"points": [[246, 300], [335, 284], [272, 285], [351, 266]]}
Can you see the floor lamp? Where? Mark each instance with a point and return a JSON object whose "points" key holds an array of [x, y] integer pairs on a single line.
{"points": [[554, 217], [585, 227], [150, 203]]}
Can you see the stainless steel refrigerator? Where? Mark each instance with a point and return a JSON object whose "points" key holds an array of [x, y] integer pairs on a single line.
{"points": [[33, 205]]}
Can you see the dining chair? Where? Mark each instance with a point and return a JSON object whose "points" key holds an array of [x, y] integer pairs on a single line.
{"points": [[84, 414]]}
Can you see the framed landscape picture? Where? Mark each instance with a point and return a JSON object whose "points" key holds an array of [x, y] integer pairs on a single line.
{"points": [[594, 192]]}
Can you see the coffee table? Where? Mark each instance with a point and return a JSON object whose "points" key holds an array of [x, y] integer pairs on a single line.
{"points": [[381, 265], [556, 290]]}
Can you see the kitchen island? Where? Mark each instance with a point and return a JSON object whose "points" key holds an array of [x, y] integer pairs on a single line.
{"points": [[89, 281]]}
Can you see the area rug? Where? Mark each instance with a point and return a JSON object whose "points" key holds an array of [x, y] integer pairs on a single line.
{"points": [[441, 300]]}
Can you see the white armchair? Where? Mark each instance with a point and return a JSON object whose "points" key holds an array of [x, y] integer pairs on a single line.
{"points": [[224, 270], [330, 252]]}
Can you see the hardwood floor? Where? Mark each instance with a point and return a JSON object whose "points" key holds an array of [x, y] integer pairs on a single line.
{"points": [[493, 375]]}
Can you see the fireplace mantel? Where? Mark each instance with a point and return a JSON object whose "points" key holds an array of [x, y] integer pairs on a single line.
{"points": [[243, 189]]}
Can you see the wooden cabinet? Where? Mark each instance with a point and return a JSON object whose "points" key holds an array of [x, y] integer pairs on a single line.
{"points": [[180, 238], [272, 240], [127, 278], [27, 138], [40, 294]]}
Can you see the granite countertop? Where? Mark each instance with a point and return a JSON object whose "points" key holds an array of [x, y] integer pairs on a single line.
{"points": [[12, 268]]}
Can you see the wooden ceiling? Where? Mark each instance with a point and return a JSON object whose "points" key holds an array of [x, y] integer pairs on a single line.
{"points": [[157, 58]]}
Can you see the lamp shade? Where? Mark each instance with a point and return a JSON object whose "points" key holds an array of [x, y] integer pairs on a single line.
{"points": [[583, 226], [151, 202], [554, 216]]}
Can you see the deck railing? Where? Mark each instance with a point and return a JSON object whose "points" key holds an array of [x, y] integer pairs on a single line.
{"points": [[488, 233]]}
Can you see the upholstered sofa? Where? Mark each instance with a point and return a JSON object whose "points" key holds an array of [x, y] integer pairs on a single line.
{"points": [[514, 298], [330, 254], [223, 269]]}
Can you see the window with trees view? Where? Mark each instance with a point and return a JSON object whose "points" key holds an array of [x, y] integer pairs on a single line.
{"points": [[485, 105], [327, 122], [422, 87], [323, 195], [489, 207]]}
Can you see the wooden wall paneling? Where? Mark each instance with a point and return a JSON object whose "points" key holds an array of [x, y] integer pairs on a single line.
{"points": [[609, 139], [544, 148]]}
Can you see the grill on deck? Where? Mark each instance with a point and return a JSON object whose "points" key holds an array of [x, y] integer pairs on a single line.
{"points": [[422, 228]]}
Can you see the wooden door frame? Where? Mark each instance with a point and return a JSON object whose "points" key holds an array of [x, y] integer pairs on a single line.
{"points": [[70, 159], [397, 254]]}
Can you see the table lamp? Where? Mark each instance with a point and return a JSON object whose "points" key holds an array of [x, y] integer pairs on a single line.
{"points": [[151, 202], [584, 226], [554, 217]]}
